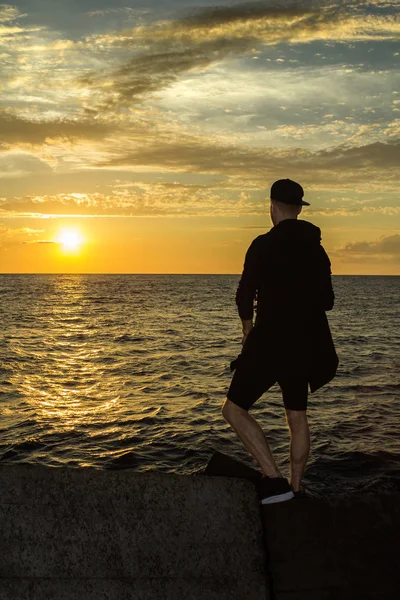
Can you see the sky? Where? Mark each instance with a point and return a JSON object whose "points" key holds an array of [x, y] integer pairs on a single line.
{"points": [[144, 137]]}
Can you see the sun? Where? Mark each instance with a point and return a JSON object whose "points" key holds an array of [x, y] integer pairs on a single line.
{"points": [[70, 239]]}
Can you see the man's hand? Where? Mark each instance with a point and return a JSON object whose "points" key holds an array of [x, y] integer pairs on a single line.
{"points": [[247, 327]]}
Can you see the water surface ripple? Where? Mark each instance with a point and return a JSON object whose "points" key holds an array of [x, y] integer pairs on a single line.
{"points": [[130, 371]]}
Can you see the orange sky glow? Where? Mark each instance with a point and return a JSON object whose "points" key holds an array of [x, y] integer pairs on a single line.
{"points": [[143, 137]]}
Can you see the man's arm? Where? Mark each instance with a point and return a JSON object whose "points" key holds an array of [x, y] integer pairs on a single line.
{"points": [[326, 290], [247, 326], [246, 291]]}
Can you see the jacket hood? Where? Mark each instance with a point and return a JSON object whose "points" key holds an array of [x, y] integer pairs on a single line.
{"points": [[295, 231]]}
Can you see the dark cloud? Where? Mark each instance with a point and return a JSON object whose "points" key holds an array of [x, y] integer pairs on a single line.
{"points": [[253, 11], [146, 74], [371, 162], [208, 36], [15, 129], [375, 155], [385, 245]]}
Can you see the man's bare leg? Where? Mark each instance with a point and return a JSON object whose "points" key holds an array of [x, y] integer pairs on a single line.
{"points": [[299, 445], [252, 436]]}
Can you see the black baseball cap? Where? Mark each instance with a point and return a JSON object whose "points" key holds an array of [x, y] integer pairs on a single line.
{"points": [[288, 192]]}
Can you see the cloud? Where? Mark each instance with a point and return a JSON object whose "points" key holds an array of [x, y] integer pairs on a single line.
{"points": [[168, 49], [10, 13], [18, 130], [148, 73], [18, 164], [134, 12], [375, 155], [169, 200], [150, 146], [142, 199], [391, 211], [389, 245], [309, 105], [38, 242], [152, 138], [366, 166], [10, 236], [14, 231]]}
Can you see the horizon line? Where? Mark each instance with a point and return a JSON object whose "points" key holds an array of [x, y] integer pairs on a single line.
{"points": [[217, 274]]}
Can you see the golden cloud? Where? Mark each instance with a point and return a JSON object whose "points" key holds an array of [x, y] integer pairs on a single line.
{"points": [[10, 13], [169, 200]]}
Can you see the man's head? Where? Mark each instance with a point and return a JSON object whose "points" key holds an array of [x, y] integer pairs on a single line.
{"points": [[286, 200]]}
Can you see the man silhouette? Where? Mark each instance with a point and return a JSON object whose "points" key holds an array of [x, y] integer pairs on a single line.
{"points": [[289, 274]]}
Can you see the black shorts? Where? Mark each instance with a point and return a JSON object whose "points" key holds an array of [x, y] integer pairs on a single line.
{"points": [[251, 380]]}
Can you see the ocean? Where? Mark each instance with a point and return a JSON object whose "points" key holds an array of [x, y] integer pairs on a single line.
{"points": [[131, 371]]}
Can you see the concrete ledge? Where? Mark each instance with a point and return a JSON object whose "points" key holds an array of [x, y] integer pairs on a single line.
{"points": [[87, 533], [338, 548]]}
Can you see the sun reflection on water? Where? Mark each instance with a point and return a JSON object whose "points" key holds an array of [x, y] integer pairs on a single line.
{"points": [[70, 390]]}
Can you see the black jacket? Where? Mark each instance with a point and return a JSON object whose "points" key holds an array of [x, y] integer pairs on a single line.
{"points": [[288, 273]]}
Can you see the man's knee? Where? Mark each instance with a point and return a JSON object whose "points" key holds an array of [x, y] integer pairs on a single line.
{"points": [[229, 408], [297, 419]]}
